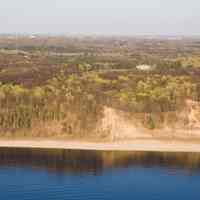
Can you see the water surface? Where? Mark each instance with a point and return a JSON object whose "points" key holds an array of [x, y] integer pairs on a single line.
{"points": [[40, 174]]}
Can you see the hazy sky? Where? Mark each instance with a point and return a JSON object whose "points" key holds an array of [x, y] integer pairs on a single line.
{"points": [[127, 17]]}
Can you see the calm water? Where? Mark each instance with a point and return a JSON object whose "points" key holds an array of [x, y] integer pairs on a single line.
{"points": [[37, 174]]}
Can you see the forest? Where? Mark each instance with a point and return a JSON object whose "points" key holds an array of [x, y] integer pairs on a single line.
{"points": [[52, 92]]}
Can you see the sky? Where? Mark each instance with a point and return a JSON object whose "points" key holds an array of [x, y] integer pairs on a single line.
{"points": [[107, 17]]}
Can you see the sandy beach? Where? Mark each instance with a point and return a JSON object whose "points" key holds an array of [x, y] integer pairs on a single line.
{"points": [[133, 145]]}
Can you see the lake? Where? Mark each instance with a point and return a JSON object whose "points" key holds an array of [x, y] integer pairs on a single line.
{"points": [[49, 174]]}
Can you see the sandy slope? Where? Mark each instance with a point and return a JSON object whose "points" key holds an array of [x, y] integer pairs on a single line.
{"points": [[133, 145]]}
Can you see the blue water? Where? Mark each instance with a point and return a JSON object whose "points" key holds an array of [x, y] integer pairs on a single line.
{"points": [[163, 177]]}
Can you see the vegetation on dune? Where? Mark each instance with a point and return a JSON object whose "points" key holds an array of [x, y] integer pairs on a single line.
{"points": [[159, 93], [76, 101], [58, 100]]}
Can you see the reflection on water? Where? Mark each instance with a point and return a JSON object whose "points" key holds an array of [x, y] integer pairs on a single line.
{"points": [[79, 161], [39, 174]]}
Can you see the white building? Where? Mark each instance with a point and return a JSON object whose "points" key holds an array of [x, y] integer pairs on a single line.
{"points": [[144, 67]]}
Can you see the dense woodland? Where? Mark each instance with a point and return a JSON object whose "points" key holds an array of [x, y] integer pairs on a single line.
{"points": [[45, 85]]}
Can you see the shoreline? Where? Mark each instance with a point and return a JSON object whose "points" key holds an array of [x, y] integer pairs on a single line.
{"points": [[147, 145]]}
